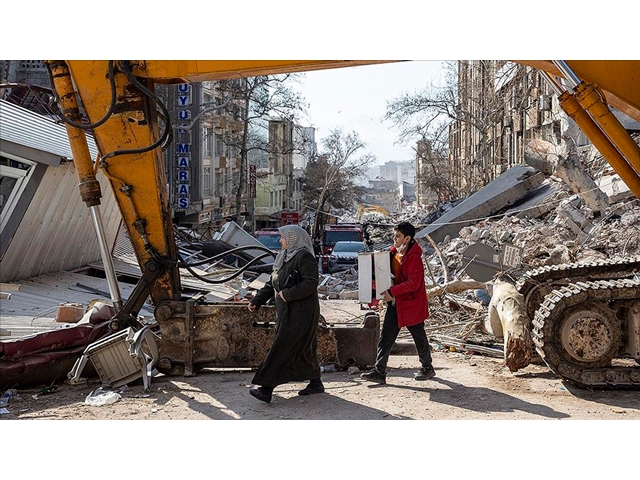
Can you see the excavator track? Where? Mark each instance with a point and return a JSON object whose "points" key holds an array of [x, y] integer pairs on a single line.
{"points": [[579, 320], [540, 278]]}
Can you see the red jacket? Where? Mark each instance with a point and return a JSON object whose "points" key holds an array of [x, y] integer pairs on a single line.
{"points": [[409, 290]]}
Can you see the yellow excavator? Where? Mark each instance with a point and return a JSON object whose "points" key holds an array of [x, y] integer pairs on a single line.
{"points": [[370, 208], [583, 317]]}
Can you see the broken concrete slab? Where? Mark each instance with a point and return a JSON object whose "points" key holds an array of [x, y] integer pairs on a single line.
{"points": [[259, 282], [234, 236], [615, 188], [504, 191], [537, 203]]}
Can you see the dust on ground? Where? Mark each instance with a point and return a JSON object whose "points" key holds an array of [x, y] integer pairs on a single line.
{"points": [[467, 387]]}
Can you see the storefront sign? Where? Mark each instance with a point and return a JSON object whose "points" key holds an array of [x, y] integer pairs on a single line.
{"points": [[183, 150], [288, 218], [252, 181]]}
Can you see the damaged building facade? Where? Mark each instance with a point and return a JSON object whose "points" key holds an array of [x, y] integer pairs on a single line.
{"points": [[501, 107], [202, 164]]}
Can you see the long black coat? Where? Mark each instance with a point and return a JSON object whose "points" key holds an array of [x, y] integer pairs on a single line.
{"points": [[293, 354]]}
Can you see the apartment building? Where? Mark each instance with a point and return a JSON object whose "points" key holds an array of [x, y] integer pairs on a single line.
{"points": [[279, 184], [203, 161], [501, 107], [427, 165]]}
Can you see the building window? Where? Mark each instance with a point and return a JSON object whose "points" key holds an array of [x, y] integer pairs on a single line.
{"points": [[219, 188], [14, 175], [207, 141], [219, 146], [206, 181]]}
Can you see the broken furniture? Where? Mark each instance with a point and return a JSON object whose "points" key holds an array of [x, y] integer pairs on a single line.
{"points": [[120, 358]]}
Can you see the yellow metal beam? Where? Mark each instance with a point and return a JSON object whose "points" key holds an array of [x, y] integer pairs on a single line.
{"points": [[618, 79], [138, 180], [181, 71]]}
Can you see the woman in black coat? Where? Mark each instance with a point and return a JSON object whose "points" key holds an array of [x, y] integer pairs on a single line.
{"points": [[294, 284]]}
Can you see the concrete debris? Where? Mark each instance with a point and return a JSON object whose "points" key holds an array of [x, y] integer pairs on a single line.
{"points": [[505, 190]]}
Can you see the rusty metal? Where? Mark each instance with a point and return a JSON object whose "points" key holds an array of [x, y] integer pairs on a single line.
{"points": [[194, 336]]}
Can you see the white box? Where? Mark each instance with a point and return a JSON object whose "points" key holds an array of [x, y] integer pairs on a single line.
{"points": [[373, 265]]}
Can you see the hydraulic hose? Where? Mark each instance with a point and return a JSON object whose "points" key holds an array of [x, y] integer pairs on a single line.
{"points": [[88, 126], [167, 124]]}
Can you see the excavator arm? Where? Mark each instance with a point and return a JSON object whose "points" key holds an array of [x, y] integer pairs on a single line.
{"points": [[122, 108], [593, 85]]}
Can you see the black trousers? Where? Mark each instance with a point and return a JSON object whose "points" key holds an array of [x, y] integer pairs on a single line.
{"points": [[388, 335]]}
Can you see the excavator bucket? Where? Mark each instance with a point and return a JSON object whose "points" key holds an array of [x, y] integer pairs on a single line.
{"points": [[194, 336]]}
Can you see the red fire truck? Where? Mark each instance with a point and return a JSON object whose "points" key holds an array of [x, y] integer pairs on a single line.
{"points": [[336, 233]]}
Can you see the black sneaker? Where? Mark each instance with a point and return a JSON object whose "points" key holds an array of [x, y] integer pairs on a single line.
{"points": [[424, 374], [374, 376]]}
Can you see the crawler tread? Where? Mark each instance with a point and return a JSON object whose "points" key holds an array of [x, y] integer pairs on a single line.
{"points": [[549, 291]]}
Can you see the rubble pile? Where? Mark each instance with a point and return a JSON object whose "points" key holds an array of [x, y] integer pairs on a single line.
{"points": [[549, 241], [340, 285]]}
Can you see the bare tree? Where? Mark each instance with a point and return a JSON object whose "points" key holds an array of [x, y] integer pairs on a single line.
{"points": [[470, 104], [254, 101], [330, 179], [424, 117], [433, 173]]}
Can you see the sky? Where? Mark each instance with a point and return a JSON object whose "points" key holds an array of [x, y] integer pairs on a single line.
{"points": [[355, 99]]}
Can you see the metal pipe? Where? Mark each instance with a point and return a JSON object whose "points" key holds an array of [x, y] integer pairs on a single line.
{"points": [[579, 115], [553, 83], [107, 261], [567, 73], [85, 172], [591, 100], [63, 85]]}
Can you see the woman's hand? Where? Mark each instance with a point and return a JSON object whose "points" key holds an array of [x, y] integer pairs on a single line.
{"points": [[251, 307], [282, 296], [386, 296]]}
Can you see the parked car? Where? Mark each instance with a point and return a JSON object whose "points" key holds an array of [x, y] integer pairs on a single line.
{"points": [[344, 255], [270, 238]]}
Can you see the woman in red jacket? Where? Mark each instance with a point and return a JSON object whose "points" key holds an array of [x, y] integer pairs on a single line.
{"points": [[407, 305]]}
